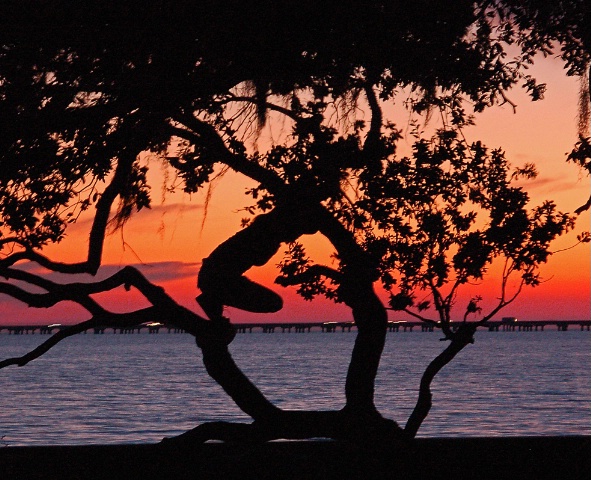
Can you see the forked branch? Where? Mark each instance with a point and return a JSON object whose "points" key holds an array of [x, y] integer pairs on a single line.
{"points": [[164, 309], [120, 320], [97, 231]]}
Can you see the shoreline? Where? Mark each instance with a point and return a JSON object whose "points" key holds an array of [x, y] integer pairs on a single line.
{"points": [[561, 457]]}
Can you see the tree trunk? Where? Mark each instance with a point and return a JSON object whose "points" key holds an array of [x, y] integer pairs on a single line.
{"points": [[359, 416], [221, 367], [461, 338], [356, 291], [371, 321]]}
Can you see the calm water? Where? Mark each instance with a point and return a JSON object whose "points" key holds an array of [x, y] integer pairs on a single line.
{"points": [[139, 388]]}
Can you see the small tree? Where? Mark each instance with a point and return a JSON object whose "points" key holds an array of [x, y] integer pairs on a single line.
{"points": [[84, 100], [432, 223]]}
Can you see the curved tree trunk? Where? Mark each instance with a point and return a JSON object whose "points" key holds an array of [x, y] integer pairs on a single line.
{"points": [[221, 367], [461, 339], [371, 321], [255, 245], [356, 291]]}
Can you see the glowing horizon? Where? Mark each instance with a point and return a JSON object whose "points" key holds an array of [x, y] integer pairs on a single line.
{"points": [[171, 239]]}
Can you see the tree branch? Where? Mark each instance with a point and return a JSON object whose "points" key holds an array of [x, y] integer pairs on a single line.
{"points": [[310, 274], [507, 100], [268, 105], [372, 140], [502, 303], [418, 316], [204, 134], [584, 207], [460, 339], [211, 337], [97, 231], [80, 293], [46, 300], [105, 320]]}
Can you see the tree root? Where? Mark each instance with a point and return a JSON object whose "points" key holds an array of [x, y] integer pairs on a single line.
{"points": [[365, 430]]}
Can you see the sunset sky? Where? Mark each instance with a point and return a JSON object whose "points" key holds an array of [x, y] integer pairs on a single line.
{"points": [[168, 242]]}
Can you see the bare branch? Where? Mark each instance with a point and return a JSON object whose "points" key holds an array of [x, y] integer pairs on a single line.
{"points": [[204, 134], [268, 105], [80, 293], [164, 309], [14, 240], [453, 292], [106, 320], [502, 303], [585, 237], [46, 300], [584, 208], [507, 100], [212, 337], [440, 302], [418, 316], [374, 133]]}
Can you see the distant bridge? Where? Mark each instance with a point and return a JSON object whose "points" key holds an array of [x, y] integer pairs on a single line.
{"points": [[303, 327]]}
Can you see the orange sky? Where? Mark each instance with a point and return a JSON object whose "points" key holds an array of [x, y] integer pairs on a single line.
{"points": [[169, 243]]}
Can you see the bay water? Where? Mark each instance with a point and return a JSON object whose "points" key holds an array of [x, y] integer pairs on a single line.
{"points": [[139, 388]]}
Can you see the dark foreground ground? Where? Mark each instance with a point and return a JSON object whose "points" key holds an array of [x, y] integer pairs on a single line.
{"points": [[558, 458]]}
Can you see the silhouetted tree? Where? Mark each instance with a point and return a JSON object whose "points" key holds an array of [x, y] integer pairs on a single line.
{"points": [[85, 89]]}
